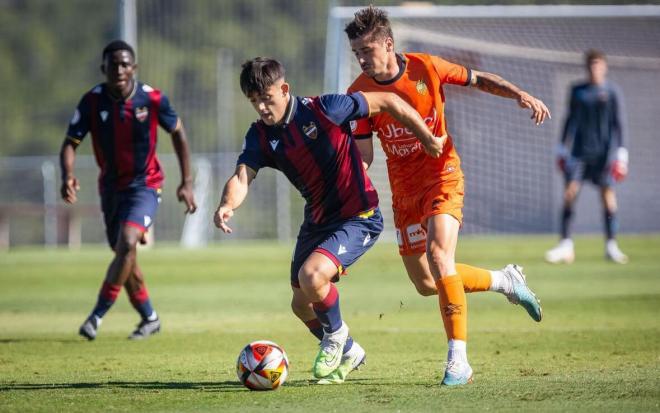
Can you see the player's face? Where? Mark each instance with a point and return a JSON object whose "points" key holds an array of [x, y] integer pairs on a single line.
{"points": [[597, 70], [271, 104], [119, 69], [373, 55]]}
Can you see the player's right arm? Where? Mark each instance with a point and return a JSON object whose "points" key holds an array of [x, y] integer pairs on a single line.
{"points": [[78, 128], [70, 184], [249, 162], [233, 195]]}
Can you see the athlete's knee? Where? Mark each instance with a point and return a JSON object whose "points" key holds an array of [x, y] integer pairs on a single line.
{"points": [[570, 193], [126, 246], [310, 277]]}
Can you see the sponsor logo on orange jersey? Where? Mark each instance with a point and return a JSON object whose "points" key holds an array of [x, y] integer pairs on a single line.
{"points": [[403, 149], [397, 140]]}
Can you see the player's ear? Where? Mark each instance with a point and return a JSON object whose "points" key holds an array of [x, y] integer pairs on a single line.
{"points": [[102, 67], [285, 88], [389, 44]]}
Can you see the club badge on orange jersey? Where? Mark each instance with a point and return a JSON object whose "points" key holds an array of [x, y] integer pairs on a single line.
{"points": [[421, 87], [311, 130], [141, 113]]}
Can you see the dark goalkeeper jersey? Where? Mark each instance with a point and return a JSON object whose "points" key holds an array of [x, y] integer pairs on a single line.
{"points": [[593, 127]]}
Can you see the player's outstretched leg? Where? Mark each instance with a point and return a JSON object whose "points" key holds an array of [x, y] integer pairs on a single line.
{"points": [[511, 282], [351, 360]]}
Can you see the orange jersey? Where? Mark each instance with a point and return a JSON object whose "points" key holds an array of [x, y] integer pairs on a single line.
{"points": [[420, 84]]}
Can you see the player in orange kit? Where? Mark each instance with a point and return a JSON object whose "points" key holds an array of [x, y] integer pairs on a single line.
{"points": [[427, 193]]}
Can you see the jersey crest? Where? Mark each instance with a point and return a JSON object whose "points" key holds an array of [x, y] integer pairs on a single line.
{"points": [[421, 87], [311, 130], [142, 113]]}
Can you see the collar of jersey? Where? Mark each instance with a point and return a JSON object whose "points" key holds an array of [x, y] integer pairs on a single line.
{"points": [[129, 97], [288, 114], [402, 62]]}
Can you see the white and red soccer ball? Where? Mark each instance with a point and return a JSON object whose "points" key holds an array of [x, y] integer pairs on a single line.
{"points": [[262, 365]]}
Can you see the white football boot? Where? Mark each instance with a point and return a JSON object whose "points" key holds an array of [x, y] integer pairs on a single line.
{"points": [[561, 254], [614, 254]]}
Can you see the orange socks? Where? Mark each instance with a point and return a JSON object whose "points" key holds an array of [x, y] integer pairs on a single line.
{"points": [[474, 279], [453, 306]]}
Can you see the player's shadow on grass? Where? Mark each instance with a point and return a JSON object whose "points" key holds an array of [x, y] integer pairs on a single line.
{"points": [[34, 339], [209, 386]]}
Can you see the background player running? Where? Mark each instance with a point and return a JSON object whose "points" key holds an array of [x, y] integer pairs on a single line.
{"points": [[123, 115], [309, 140], [427, 192], [592, 149]]}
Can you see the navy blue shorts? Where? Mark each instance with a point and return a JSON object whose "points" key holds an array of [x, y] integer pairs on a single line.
{"points": [[597, 171], [343, 242], [135, 206]]}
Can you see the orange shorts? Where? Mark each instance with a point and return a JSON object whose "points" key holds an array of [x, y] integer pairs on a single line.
{"points": [[412, 211]]}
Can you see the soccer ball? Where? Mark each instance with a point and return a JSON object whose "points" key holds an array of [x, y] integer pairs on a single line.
{"points": [[262, 365]]}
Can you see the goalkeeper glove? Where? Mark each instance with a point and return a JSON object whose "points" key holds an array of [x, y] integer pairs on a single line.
{"points": [[562, 156], [619, 167]]}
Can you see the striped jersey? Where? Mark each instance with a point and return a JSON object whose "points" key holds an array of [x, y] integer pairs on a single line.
{"points": [[124, 134], [314, 148]]}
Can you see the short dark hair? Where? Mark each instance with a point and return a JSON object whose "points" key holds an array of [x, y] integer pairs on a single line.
{"points": [[259, 74], [369, 22], [115, 45], [593, 54]]}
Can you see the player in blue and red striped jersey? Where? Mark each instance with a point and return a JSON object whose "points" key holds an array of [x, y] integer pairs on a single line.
{"points": [[309, 140], [123, 116]]}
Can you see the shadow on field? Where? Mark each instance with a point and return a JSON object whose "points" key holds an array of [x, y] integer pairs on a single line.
{"points": [[31, 340], [207, 386]]}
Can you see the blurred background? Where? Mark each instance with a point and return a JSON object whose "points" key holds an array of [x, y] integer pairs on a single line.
{"points": [[192, 50]]}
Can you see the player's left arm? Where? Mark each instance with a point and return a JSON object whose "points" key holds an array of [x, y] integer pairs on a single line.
{"points": [[170, 121], [496, 85], [619, 157], [184, 192]]}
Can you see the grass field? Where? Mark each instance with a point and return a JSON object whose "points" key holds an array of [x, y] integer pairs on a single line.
{"points": [[597, 349]]}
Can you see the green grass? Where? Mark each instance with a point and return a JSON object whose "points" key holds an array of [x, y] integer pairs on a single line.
{"points": [[597, 349]]}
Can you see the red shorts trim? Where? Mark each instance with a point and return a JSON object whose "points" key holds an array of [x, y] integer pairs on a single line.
{"points": [[136, 225], [335, 260]]}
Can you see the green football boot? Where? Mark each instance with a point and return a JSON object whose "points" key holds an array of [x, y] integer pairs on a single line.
{"points": [[330, 352]]}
